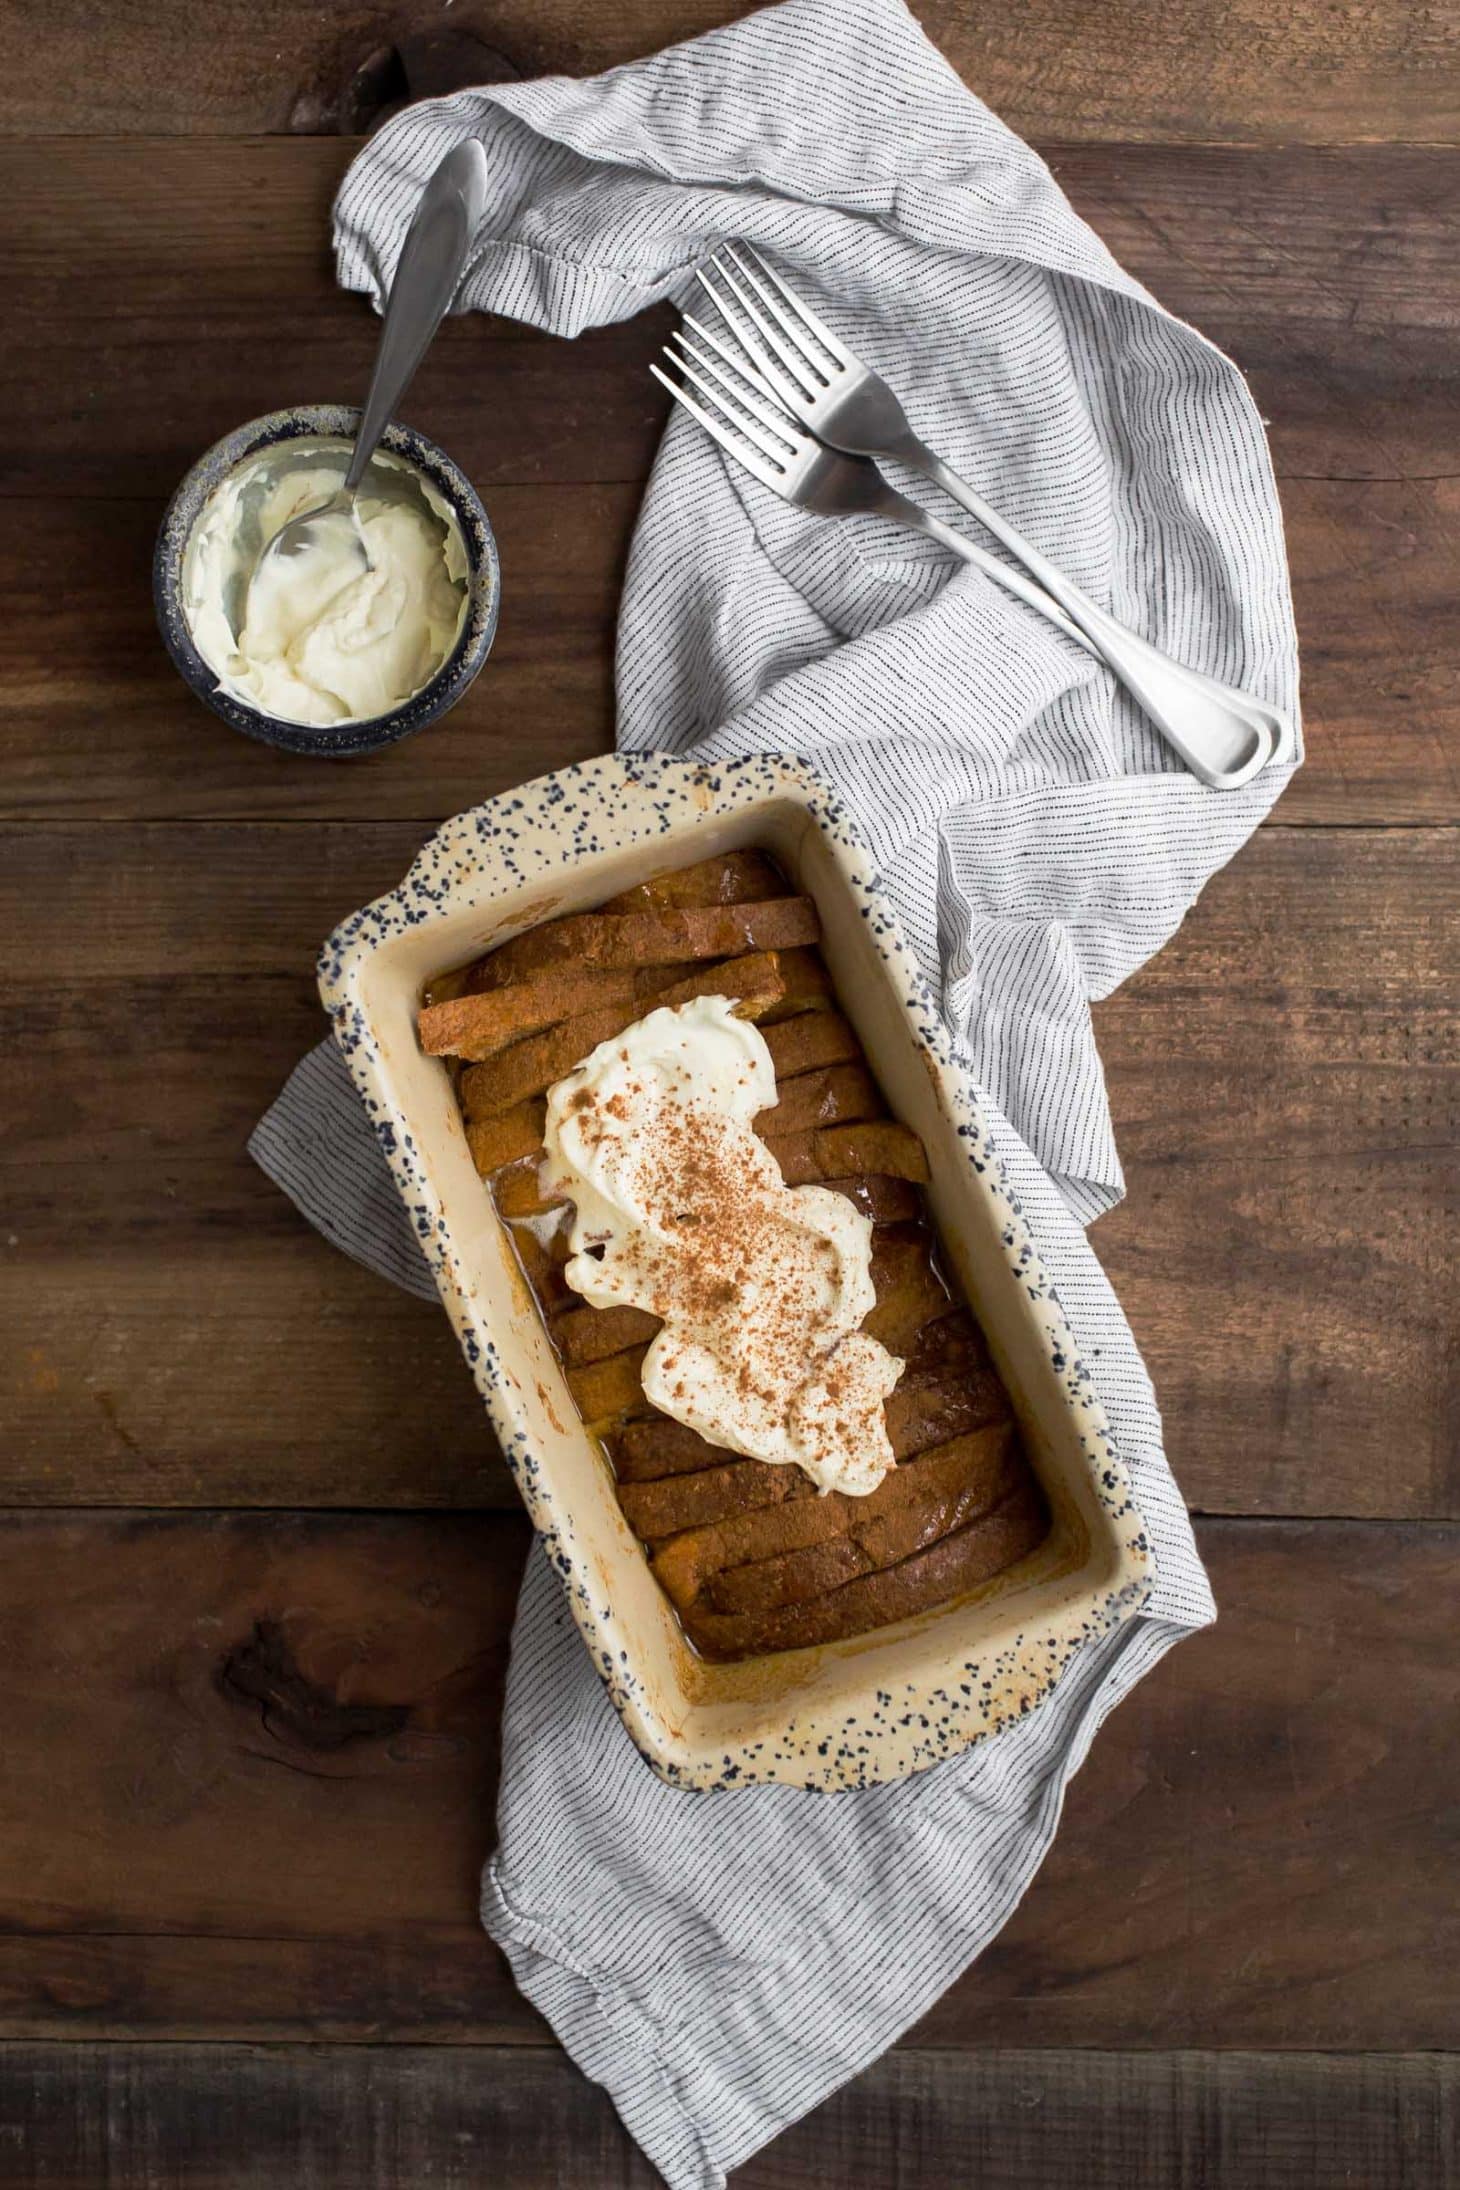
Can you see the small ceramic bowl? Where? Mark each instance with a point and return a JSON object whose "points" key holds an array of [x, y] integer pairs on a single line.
{"points": [[330, 740]]}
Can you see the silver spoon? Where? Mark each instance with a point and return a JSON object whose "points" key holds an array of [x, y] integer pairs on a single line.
{"points": [[426, 278]]}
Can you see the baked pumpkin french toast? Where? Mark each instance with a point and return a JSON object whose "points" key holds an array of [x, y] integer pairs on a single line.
{"points": [[754, 1556]]}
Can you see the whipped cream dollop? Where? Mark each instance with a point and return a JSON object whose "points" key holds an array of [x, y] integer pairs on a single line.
{"points": [[320, 639], [680, 1209]]}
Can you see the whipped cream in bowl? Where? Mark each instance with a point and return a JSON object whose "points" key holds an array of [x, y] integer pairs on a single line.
{"points": [[680, 1209], [323, 656]]}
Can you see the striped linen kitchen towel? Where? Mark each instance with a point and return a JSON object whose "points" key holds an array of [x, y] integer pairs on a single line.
{"points": [[720, 1962]]}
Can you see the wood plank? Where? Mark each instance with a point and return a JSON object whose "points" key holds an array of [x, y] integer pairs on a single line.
{"points": [[175, 1319], [1283, 1079], [1319, 274], [332, 2118], [1332, 278], [1285, 1103], [248, 1785], [1198, 70], [94, 722], [1330, 275], [208, 298]]}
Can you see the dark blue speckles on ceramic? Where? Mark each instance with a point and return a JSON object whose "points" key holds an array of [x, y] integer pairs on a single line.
{"points": [[329, 741]]}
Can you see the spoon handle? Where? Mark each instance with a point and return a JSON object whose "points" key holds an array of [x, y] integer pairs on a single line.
{"points": [[426, 276]]}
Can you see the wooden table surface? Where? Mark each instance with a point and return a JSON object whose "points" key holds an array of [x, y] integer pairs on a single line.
{"points": [[258, 1556]]}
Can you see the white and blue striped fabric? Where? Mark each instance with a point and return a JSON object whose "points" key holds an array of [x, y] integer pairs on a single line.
{"points": [[721, 1962]]}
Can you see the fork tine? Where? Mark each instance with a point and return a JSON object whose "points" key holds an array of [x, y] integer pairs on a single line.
{"points": [[772, 475], [741, 359], [768, 355], [797, 361], [779, 446], [749, 393], [779, 451], [751, 263], [748, 355]]}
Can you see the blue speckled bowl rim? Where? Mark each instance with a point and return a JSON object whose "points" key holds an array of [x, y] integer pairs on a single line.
{"points": [[513, 845], [328, 741]]}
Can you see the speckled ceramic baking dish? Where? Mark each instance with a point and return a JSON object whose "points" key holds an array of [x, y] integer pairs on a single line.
{"points": [[845, 1714]]}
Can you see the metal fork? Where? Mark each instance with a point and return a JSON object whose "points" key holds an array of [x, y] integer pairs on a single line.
{"points": [[1224, 736], [795, 465]]}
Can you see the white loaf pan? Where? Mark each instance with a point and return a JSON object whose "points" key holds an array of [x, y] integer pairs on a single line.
{"points": [[844, 1714]]}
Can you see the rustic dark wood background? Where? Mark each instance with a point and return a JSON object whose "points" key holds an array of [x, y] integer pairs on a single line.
{"points": [[258, 1558]]}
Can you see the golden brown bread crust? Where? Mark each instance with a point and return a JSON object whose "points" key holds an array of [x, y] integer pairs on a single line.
{"points": [[666, 936], [729, 879], [643, 1452], [831, 1095], [603, 1391], [838, 1151], [946, 1569], [930, 1498], [671, 1478], [657, 1510], [517, 1189], [544, 1272], [810, 1040], [477, 1025], [885, 1200], [506, 1138], [754, 1559], [910, 1293], [755, 985], [595, 1334], [973, 1467]]}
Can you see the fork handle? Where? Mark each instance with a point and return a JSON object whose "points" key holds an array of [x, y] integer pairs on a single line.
{"points": [[1224, 736]]}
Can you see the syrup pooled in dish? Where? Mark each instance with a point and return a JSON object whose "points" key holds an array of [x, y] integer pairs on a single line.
{"points": [[752, 1553], [761, 1289]]}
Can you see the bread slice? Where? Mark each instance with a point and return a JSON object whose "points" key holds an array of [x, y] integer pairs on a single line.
{"points": [[910, 1292], [947, 1569], [754, 983], [810, 1040], [834, 1152], [517, 1189], [702, 1497], [670, 935], [974, 1466], [730, 878], [583, 1334], [645, 1451], [884, 1200], [603, 1390], [833, 1095], [506, 1138], [477, 1026], [928, 1499]]}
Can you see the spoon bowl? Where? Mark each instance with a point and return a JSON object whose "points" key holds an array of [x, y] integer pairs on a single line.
{"points": [[301, 535]]}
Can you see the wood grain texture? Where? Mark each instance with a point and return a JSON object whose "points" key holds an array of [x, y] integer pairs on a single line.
{"points": [[250, 1756], [218, 257], [1286, 1104], [249, 1763], [208, 296], [1284, 1083], [1330, 277], [335, 2118], [83, 674], [1195, 70]]}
